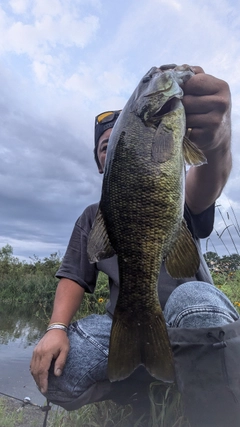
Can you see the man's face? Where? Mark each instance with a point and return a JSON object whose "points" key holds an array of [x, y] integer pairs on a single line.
{"points": [[102, 148]]}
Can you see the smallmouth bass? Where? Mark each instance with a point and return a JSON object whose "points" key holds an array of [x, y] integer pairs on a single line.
{"points": [[140, 218]]}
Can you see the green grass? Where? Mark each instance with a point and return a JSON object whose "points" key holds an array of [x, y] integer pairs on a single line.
{"points": [[9, 418], [229, 283], [165, 411]]}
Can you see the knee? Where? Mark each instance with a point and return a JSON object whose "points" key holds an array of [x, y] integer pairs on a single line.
{"points": [[198, 304]]}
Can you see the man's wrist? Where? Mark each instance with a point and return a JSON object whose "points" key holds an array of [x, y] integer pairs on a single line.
{"points": [[56, 325]]}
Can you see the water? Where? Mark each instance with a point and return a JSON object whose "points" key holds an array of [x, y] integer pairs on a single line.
{"points": [[20, 330]]}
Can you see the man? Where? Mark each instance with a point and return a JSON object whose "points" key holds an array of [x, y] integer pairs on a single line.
{"points": [[69, 364]]}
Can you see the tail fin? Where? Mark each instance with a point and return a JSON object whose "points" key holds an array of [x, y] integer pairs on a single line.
{"points": [[137, 343]]}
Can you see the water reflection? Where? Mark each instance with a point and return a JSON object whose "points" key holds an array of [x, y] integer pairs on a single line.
{"points": [[20, 330], [21, 323]]}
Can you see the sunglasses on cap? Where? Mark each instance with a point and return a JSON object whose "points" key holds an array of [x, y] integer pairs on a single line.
{"points": [[107, 117], [103, 122]]}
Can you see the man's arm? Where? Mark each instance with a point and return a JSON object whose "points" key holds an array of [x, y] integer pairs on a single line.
{"points": [[207, 102], [55, 343]]}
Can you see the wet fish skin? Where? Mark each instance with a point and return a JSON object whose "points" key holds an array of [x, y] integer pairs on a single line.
{"points": [[140, 218]]}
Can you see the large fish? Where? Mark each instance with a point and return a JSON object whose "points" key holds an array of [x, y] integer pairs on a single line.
{"points": [[140, 218]]}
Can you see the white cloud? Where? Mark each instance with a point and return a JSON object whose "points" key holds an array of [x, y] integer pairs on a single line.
{"points": [[21, 39], [83, 84], [41, 71], [54, 24], [172, 3], [19, 6], [116, 80], [48, 7], [48, 33]]}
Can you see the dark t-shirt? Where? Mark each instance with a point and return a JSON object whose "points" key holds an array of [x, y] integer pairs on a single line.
{"points": [[75, 264]]}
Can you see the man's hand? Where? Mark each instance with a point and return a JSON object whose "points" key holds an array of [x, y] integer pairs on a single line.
{"points": [[53, 346], [207, 102]]}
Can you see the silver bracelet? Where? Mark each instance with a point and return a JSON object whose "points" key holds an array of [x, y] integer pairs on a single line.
{"points": [[56, 326]]}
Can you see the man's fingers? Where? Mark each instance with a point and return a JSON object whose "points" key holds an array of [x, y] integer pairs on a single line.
{"points": [[203, 84], [197, 69], [39, 370], [54, 346], [43, 382], [205, 104], [60, 362]]}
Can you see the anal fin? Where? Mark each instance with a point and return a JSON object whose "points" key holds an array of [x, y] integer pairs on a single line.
{"points": [[183, 258]]}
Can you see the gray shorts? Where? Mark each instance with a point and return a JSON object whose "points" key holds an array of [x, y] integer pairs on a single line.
{"points": [[195, 313]]}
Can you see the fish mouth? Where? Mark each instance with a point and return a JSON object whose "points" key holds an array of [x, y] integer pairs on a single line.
{"points": [[171, 105]]}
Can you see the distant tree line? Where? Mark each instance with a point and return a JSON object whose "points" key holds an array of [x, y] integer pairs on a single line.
{"points": [[22, 281], [35, 281], [49, 265], [10, 263], [224, 264]]}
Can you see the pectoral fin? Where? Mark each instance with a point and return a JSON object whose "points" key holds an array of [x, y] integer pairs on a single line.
{"points": [[99, 246], [192, 154], [163, 145], [183, 258]]}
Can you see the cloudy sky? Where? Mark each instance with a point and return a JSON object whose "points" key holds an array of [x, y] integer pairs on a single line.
{"points": [[64, 61]]}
